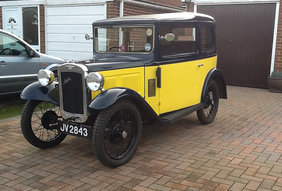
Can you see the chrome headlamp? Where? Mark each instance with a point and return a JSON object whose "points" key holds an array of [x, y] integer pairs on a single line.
{"points": [[45, 77], [95, 81]]}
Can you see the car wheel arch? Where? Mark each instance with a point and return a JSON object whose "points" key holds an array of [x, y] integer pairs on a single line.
{"points": [[217, 76], [115, 95]]}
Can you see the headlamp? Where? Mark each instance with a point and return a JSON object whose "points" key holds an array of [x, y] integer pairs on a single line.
{"points": [[45, 77], [95, 81]]}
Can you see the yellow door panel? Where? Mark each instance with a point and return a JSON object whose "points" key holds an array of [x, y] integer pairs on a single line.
{"points": [[152, 93], [132, 78], [182, 83]]}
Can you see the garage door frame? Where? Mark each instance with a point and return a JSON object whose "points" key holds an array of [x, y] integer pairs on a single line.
{"points": [[227, 2]]}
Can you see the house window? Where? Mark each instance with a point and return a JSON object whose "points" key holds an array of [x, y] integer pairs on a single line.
{"points": [[184, 41], [30, 25]]}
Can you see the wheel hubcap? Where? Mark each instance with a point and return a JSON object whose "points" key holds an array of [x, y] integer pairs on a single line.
{"points": [[120, 134], [209, 104], [124, 134], [49, 120]]}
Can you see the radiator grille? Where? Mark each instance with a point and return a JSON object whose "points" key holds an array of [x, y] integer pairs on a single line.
{"points": [[72, 92]]}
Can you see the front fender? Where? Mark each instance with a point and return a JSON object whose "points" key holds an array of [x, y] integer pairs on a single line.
{"points": [[111, 96], [36, 91], [217, 76]]}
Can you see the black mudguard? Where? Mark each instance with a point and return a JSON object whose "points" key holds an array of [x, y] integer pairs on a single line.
{"points": [[111, 96], [217, 76], [36, 91]]}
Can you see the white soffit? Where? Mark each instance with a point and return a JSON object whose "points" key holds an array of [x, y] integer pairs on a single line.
{"points": [[213, 2], [50, 2]]}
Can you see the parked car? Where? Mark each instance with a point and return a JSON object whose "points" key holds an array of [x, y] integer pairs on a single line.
{"points": [[20, 63], [149, 68]]}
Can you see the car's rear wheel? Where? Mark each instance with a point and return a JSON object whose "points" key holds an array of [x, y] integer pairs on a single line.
{"points": [[39, 124], [116, 133], [207, 114]]}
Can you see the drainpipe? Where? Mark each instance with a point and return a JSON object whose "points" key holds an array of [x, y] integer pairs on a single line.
{"points": [[121, 11], [121, 7]]}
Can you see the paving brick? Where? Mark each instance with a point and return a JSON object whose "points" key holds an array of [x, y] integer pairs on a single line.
{"points": [[252, 185], [147, 182], [163, 180], [267, 184], [237, 186], [176, 186], [240, 150]]}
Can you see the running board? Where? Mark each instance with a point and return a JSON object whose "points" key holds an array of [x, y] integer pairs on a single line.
{"points": [[174, 116]]}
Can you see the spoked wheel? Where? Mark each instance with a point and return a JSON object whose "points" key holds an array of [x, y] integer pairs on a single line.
{"points": [[39, 124], [116, 134], [208, 113]]}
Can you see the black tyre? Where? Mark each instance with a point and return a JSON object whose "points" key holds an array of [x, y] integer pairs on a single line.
{"points": [[116, 133], [208, 113], [39, 124]]}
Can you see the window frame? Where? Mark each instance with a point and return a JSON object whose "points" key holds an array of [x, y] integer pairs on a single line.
{"points": [[213, 49], [125, 25], [180, 55], [16, 41]]}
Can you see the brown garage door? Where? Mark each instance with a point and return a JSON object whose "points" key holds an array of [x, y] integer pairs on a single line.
{"points": [[245, 34]]}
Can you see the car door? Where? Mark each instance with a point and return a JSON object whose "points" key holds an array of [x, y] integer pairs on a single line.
{"points": [[17, 69], [181, 71]]}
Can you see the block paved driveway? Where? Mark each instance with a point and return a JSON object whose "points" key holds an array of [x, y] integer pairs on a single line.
{"points": [[240, 150]]}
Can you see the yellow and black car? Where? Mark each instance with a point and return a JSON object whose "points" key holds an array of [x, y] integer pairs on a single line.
{"points": [[149, 68]]}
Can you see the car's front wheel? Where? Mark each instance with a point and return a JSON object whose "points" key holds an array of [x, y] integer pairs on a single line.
{"points": [[116, 133], [39, 124], [207, 114]]}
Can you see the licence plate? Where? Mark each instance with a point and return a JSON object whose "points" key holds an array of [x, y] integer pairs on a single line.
{"points": [[76, 129]]}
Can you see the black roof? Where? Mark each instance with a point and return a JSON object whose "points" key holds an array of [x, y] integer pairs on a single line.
{"points": [[155, 18]]}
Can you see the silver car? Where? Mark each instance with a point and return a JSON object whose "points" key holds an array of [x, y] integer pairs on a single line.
{"points": [[20, 63]]}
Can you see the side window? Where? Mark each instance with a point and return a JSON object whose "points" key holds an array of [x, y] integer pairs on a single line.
{"points": [[10, 46], [184, 40], [207, 43]]}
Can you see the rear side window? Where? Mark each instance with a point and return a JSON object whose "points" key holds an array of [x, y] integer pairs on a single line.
{"points": [[184, 40], [207, 43]]}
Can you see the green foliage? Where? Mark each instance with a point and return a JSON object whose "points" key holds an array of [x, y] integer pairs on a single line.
{"points": [[10, 106]]}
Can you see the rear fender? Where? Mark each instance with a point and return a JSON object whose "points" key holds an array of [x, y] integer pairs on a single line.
{"points": [[36, 91], [217, 76]]}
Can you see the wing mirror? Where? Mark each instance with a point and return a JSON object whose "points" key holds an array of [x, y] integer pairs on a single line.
{"points": [[31, 53], [88, 37]]}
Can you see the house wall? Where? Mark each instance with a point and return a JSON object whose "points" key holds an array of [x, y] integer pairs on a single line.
{"points": [[42, 28], [131, 9], [174, 3], [113, 8], [278, 52], [1, 25]]}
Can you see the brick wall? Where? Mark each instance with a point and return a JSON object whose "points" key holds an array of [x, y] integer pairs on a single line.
{"points": [[112, 9], [1, 20], [132, 9], [278, 53], [190, 7], [174, 3], [42, 28]]}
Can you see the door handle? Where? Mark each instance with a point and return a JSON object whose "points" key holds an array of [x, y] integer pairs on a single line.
{"points": [[200, 65], [159, 77], [3, 63]]}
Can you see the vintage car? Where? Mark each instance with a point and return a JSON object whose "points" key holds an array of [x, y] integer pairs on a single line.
{"points": [[149, 68]]}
